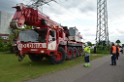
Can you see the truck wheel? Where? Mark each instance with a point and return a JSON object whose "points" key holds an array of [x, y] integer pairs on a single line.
{"points": [[35, 58], [59, 57], [70, 53], [75, 52]]}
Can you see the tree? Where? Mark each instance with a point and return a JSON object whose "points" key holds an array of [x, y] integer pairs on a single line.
{"points": [[89, 43], [118, 42]]}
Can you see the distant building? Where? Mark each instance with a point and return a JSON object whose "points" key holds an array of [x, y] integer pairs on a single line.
{"points": [[4, 36], [5, 19]]}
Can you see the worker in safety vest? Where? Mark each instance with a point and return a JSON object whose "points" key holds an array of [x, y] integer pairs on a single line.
{"points": [[87, 54], [113, 53]]}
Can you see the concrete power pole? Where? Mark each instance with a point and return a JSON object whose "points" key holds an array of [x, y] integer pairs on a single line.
{"points": [[102, 35]]}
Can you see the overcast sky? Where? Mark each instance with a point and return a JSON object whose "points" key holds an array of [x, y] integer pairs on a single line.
{"points": [[82, 14]]}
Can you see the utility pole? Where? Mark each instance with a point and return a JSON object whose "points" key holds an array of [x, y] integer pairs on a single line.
{"points": [[102, 34]]}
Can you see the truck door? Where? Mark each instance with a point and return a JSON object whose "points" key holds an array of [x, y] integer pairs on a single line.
{"points": [[52, 40]]}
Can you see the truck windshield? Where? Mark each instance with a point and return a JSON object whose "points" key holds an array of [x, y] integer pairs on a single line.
{"points": [[42, 35], [28, 36]]}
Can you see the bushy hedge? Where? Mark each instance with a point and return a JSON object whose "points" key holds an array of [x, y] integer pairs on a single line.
{"points": [[5, 46], [103, 49]]}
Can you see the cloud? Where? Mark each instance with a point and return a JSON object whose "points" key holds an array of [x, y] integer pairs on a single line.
{"points": [[115, 26], [60, 7], [56, 9], [115, 8], [86, 9], [88, 6], [7, 5], [70, 3], [121, 32]]}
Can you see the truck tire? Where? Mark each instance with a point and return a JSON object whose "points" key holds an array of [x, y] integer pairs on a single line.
{"points": [[35, 58], [76, 53], [70, 53], [59, 57]]}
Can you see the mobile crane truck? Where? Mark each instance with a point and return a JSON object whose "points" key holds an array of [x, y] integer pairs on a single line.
{"points": [[46, 38]]}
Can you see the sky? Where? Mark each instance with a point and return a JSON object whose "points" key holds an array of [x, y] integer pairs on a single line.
{"points": [[82, 14]]}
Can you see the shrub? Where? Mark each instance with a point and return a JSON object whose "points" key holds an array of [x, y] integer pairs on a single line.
{"points": [[5, 46], [103, 49]]}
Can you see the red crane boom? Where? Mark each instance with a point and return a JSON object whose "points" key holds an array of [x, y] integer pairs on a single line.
{"points": [[26, 15]]}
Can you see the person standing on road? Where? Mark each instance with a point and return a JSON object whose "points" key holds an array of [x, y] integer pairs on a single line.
{"points": [[121, 49], [94, 50], [113, 54], [86, 57], [117, 51]]}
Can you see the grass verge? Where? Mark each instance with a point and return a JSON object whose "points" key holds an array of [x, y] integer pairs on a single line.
{"points": [[13, 71]]}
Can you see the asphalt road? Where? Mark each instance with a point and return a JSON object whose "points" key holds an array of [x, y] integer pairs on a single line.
{"points": [[100, 71]]}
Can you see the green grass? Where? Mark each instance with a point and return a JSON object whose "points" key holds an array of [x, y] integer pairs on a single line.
{"points": [[13, 71]]}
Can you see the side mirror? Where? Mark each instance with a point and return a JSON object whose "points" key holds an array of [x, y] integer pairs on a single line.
{"points": [[53, 39]]}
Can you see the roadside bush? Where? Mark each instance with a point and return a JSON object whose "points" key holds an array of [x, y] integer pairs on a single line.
{"points": [[5, 46], [103, 49]]}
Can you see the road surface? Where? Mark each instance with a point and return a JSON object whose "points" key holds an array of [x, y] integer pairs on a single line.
{"points": [[100, 71]]}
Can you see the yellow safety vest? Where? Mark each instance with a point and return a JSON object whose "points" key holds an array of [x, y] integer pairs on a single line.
{"points": [[87, 49]]}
